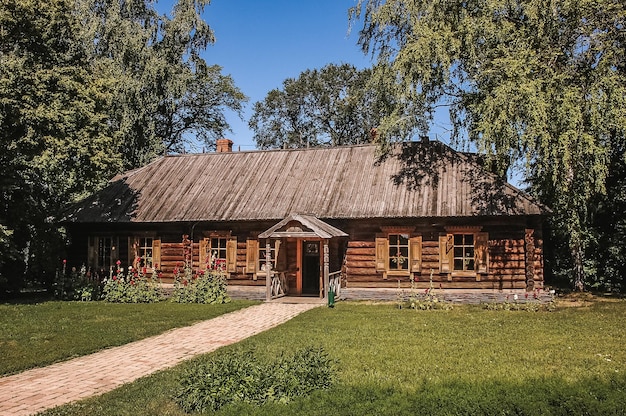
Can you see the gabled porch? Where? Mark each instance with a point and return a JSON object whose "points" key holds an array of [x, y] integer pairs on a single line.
{"points": [[316, 255]]}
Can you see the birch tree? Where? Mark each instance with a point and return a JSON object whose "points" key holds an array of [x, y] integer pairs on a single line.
{"points": [[538, 82]]}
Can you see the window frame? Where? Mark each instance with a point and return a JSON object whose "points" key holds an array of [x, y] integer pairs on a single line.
{"points": [[137, 249], [413, 250], [261, 259], [228, 263], [466, 249], [448, 250], [94, 251]]}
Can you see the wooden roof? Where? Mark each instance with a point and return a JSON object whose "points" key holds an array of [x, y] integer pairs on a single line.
{"points": [[303, 226], [415, 180]]}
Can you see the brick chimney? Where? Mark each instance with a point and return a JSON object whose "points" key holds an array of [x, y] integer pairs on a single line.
{"points": [[224, 145]]}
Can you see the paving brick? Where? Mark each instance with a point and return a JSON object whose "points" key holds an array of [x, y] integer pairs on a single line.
{"points": [[42, 388]]}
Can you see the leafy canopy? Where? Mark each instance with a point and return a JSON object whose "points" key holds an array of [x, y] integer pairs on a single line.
{"points": [[89, 88], [332, 106], [542, 82]]}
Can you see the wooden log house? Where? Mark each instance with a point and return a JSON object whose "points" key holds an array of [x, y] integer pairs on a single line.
{"points": [[317, 219]]}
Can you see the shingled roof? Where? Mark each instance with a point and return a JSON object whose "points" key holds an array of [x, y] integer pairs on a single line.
{"points": [[415, 180]]}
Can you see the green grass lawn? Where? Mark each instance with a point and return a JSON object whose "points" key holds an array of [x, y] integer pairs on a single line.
{"points": [[33, 335], [465, 361]]}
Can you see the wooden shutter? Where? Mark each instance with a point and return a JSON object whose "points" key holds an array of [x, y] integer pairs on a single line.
{"points": [[202, 255], [446, 252], [415, 254], [156, 253], [231, 255], [382, 251], [481, 252], [252, 252]]}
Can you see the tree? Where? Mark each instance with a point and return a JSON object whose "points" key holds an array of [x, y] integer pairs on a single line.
{"points": [[89, 88], [336, 105], [52, 129], [536, 81], [167, 94]]}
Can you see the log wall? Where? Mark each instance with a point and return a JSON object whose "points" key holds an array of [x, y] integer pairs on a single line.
{"points": [[506, 267]]}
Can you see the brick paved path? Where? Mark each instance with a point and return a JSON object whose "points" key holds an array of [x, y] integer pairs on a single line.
{"points": [[36, 390]]}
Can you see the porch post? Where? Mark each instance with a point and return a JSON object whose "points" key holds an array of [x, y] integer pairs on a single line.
{"points": [[268, 271], [326, 270]]}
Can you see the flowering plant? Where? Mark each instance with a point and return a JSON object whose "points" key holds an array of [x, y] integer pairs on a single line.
{"points": [[132, 287], [78, 284], [203, 286]]}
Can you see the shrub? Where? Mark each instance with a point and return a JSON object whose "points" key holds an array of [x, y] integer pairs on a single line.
{"points": [[528, 304], [203, 287], [77, 285], [241, 377], [135, 287]]}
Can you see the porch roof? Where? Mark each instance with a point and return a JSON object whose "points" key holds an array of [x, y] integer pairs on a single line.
{"points": [[311, 227]]}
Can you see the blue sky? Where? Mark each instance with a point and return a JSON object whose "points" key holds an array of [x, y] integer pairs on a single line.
{"points": [[260, 43]]}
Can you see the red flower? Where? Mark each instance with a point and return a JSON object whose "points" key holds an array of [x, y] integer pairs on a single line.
{"points": [[132, 282], [118, 263], [144, 270], [526, 295], [156, 265], [64, 261], [184, 282], [160, 275], [114, 278]]}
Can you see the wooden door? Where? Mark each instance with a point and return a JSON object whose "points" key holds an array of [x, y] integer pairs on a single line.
{"points": [[311, 267]]}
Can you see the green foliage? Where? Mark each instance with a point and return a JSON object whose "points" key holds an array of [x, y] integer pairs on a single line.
{"points": [[540, 85], [77, 285], [528, 304], [90, 88], [209, 385], [333, 106], [133, 287], [202, 287]]}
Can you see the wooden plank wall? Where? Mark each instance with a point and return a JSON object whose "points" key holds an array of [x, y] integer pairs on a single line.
{"points": [[506, 267]]}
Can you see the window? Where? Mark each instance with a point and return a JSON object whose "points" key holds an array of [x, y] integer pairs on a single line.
{"points": [[144, 252], [262, 253], [398, 252], [103, 252], [218, 252], [463, 252]]}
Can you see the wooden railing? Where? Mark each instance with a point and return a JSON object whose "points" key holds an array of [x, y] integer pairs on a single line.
{"points": [[334, 283], [278, 285]]}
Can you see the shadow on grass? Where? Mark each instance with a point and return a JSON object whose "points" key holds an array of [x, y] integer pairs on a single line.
{"points": [[25, 298]]}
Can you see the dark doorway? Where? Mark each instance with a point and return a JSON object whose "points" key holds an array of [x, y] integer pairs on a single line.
{"points": [[311, 268]]}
